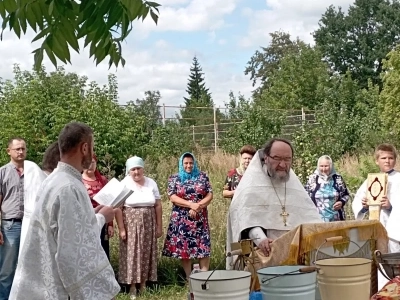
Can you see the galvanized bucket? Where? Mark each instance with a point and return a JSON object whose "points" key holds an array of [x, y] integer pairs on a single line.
{"points": [[222, 285], [390, 263], [288, 282], [344, 278]]}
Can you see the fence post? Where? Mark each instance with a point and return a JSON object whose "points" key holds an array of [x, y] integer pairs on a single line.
{"points": [[215, 131], [194, 138], [163, 116]]}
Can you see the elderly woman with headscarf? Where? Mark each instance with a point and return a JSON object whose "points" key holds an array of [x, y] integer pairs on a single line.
{"points": [[328, 191], [188, 235], [233, 178], [94, 182], [139, 227]]}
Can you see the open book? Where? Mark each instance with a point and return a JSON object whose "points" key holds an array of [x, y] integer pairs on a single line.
{"points": [[114, 194]]}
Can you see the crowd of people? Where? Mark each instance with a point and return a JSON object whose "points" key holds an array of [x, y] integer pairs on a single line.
{"points": [[51, 225]]}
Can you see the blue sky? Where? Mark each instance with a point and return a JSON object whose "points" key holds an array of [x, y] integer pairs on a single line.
{"points": [[223, 35]]}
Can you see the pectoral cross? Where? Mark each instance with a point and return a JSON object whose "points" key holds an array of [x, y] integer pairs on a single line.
{"points": [[284, 215]]}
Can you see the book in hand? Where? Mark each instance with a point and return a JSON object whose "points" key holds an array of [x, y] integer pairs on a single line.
{"points": [[114, 194]]}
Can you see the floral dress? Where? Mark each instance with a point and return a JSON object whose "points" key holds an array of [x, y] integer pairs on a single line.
{"points": [[232, 180], [325, 194], [187, 237]]}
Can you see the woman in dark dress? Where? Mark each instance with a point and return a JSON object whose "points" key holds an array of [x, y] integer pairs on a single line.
{"points": [[232, 180], [188, 235]]}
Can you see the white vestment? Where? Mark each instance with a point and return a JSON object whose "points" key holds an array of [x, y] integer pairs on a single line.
{"points": [[389, 219], [256, 204], [62, 254], [34, 176]]}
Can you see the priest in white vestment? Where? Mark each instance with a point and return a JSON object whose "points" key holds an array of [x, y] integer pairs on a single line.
{"points": [[34, 176], [269, 200], [62, 255], [385, 158]]}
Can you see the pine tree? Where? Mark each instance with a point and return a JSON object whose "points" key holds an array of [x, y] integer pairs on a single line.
{"points": [[198, 96]]}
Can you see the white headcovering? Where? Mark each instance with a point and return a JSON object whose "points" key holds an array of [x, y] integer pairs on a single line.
{"points": [[133, 162]]}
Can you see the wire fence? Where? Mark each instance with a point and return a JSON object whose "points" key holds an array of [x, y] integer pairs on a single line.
{"points": [[210, 124]]}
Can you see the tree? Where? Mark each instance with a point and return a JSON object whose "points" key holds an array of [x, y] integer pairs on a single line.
{"points": [[149, 109], [199, 104], [299, 81], [389, 104], [37, 105], [263, 63], [104, 24], [359, 40]]}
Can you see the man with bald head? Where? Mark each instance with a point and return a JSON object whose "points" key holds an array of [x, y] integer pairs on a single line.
{"points": [[270, 199]]}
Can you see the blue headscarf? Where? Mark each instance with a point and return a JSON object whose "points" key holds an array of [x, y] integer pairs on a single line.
{"points": [[183, 175]]}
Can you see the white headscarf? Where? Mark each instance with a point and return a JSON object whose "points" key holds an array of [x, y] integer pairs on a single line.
{"points": [[33, 178]]}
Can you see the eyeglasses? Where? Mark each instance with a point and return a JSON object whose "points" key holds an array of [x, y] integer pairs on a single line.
{"points": [[279, 159], [19, 149]]}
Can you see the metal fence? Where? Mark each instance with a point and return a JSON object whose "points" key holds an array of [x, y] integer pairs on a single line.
{"points": [[217, 122]]}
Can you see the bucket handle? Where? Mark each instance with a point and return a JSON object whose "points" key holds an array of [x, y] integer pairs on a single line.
{"points": [[335, 239], [301, 270], [378, 260]]}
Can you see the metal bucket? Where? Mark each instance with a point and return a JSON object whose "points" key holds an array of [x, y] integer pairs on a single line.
{"points": [[390, 263], [288, 282], [344, 278], [222, 285]]}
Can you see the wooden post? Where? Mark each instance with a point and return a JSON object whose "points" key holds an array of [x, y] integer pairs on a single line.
{"points": [[163, 115], [194, 138], [215, 130]]}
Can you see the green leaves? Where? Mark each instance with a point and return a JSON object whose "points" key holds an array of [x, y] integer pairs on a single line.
{"points": [[104, 24]]}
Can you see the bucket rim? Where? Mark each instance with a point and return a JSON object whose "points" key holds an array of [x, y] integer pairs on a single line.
{"points": [[244, 274], [271, 273], [329, 262]]}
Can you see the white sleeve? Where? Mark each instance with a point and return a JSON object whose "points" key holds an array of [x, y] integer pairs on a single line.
{"points": [[101, 220], [156, 191], [257, 234], [356, 205]]}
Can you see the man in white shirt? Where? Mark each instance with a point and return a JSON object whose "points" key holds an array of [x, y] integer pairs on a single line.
{"points": [[62, 255]]}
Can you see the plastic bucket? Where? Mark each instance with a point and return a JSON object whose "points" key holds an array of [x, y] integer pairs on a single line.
{"points": [[222, 285], [296, 285], [344, 278]]}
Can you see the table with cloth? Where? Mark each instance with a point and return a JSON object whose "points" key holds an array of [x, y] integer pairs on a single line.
{"points": [[299, 245]]}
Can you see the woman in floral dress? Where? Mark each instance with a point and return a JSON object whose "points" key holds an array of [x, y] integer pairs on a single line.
{"points": [[328, 191], [188, 235], [232, 180]]}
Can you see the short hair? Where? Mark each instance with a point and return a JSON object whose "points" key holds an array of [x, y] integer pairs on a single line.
{"points": [[72, 135], [51, 157], [387, 148], [268, 145], [248, 149], [14, 138]]}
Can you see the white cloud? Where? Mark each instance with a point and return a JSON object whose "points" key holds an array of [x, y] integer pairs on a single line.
{"points": [[193, 16], [299, 18], [162, 67]]}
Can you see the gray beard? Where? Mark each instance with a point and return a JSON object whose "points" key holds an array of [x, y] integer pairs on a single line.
{"points": [[274, 176]]}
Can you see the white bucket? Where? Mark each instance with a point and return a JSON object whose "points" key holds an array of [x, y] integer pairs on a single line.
{"points": [[222, 285], [344, 278], [294, 286]]}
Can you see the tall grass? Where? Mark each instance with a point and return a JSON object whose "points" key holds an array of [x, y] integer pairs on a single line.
{"points": [[170, 273]]}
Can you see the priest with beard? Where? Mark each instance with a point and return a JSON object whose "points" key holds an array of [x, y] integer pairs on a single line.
{"points": [[62, 255], [270, 199]]}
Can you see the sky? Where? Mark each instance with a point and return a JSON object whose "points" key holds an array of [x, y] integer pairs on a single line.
{"points": [[222, 34]]}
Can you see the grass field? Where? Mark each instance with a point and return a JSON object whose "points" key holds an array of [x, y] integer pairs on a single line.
{"points": [[170, 283]]}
